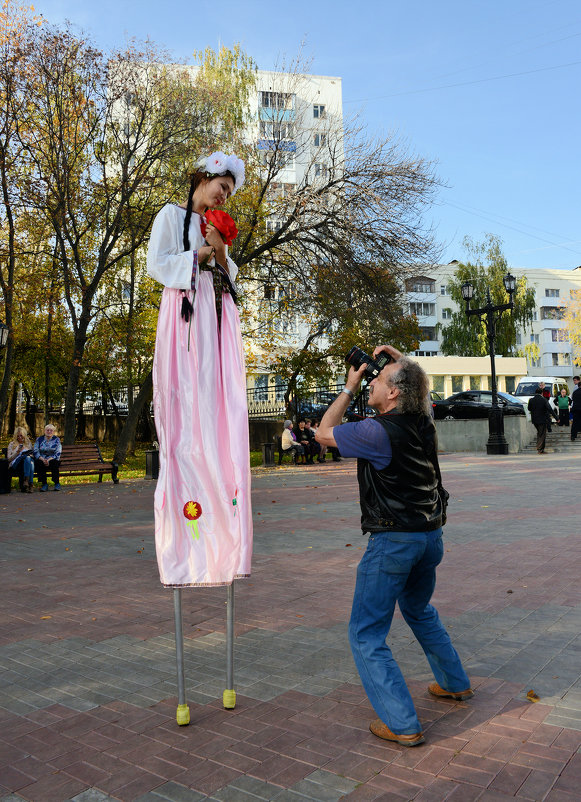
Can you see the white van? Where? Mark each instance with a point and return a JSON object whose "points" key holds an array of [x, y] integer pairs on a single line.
{"points": [[528, 386]]}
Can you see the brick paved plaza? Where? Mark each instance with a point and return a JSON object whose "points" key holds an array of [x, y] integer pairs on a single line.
{"points": [[87, 661]]}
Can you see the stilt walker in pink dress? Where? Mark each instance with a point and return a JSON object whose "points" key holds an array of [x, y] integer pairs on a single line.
{"points": [[203, 519]]}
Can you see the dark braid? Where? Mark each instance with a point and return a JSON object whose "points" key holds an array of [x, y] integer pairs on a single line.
{"points": [[189, 208]]}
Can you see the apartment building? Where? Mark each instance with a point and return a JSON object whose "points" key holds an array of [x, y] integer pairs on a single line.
{"points": [[430, 301], [300, 119]]}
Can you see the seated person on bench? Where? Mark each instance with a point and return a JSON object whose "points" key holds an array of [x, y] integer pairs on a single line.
{"points": [[289, 441], [19, 455], [47, 454]]}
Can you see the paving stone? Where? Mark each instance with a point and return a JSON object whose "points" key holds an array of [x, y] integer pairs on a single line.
{"points": [[301, 711]]}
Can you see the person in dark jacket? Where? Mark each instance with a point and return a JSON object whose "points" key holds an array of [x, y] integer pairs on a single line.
{"points": [[576, 410], [402, 513], [540, 410]]}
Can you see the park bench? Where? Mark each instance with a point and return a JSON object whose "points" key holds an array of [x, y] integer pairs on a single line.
{"points": [[85, 459]]}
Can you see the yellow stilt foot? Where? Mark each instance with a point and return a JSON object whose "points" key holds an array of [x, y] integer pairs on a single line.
{"points": [[229, 699], [183, 715]]}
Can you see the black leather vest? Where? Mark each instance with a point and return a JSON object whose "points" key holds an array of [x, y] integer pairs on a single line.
{"points": [[402, 497]]}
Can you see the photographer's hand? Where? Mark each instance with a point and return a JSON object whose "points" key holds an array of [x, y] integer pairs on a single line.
{"points": [[334, 415], [393, 352]]}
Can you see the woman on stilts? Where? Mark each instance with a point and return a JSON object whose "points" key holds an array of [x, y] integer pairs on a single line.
{"points": [[203, 522]]}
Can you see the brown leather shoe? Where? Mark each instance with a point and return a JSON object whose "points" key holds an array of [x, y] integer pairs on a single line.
{"points": [[380, 729], [459, 696]]}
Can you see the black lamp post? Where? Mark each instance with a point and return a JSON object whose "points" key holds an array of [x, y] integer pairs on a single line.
{"points": [[497, 443]]}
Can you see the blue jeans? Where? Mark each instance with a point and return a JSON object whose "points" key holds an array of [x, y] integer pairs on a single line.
{"points": [[400, 566]]}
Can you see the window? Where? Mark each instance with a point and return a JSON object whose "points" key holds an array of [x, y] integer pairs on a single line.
{"points": [[320, 170], [535, 315], [279, 388], [272, 226], [279, 159], [277, 190], [551, 293], [518, 339], [446, 314], [475, 382], [421, 286], [318, 112], [319, 140], [428, 332], [444, 290], [510, 383], [534, 338], [425, 353], [261, 387], [276, 130], [438, 384], [125, 290], [552, 313], [559, 336], [269, 292], [276, 100], [422, 309], [555, 358], [457, 384]]}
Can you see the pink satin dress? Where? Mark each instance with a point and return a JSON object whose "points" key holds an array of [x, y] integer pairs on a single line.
{"points": [[203, 517]]}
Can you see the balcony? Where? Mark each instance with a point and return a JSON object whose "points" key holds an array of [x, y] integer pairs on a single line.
{"points": [[276, 115], [277, 144]]}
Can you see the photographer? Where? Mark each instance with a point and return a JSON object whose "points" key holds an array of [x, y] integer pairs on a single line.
{"points": [[401, 510]]}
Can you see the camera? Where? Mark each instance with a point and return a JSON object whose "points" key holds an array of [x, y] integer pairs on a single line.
{"points": [[357, 357]]}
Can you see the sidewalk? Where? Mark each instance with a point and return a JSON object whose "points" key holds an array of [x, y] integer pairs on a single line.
{"points": [[87, 659]]}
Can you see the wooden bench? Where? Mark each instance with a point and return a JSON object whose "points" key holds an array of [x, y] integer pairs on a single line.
{"points": [[85, 459]]}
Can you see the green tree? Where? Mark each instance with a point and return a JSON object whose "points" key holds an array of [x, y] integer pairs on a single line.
{"points": [[17, 27], [112, 135], [485, 268]]}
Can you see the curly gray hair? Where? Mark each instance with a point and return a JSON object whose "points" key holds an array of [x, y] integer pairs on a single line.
{"points": [[414, 387]]}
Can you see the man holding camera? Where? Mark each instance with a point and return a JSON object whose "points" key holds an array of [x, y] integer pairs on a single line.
{"points": [[402, 512]]}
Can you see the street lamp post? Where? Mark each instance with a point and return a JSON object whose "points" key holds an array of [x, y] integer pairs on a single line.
{"points": [[497, 443]]}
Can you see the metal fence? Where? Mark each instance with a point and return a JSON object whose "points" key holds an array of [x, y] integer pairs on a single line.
{"points": [[268, 402]]}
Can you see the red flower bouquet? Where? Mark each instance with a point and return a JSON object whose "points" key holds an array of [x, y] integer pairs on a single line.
{"points": [[223, 222]]}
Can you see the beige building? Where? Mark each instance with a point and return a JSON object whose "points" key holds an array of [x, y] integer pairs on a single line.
{"points": [[452, 374]]}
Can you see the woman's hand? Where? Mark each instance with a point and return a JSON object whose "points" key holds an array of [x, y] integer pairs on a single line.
{"points": [[214, 238]]}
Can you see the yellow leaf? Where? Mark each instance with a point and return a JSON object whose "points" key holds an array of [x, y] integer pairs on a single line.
{"points": [[532, 696]]}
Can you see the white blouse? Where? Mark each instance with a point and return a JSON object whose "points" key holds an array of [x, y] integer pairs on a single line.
{"points": [[167, 262]]}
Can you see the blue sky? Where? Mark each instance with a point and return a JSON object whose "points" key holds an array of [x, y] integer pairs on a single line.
{"points": [[489, 89]]}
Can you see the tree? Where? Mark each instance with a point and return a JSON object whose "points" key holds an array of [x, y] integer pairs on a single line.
{"points": [[330, 252], [17, 25], [572, 318], [111, 135], [485, 268]]}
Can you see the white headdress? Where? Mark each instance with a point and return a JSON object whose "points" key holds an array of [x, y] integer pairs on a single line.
{"points": [[218, 163]]}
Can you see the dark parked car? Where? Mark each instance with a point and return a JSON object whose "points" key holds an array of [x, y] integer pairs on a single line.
{"points": [[437, 402], [476, 404]]}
